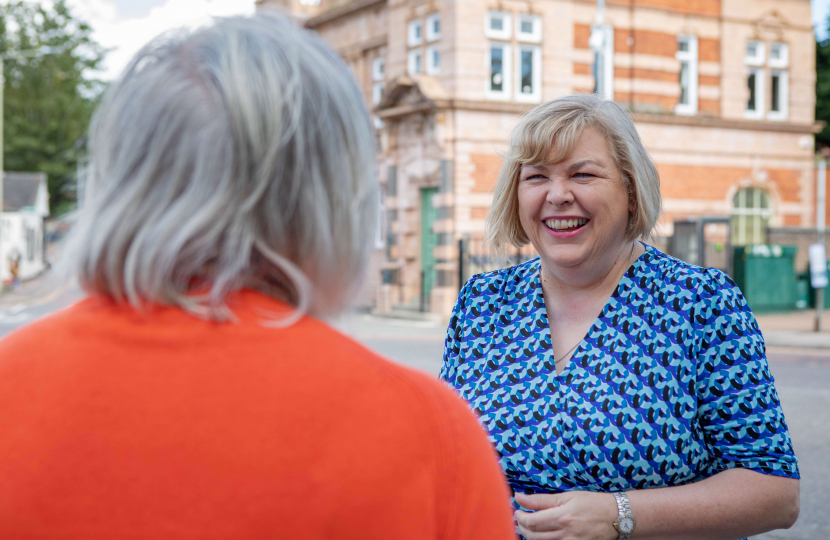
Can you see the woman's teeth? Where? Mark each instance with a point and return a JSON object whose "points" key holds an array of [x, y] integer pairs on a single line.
{"points": [[565, 224]]}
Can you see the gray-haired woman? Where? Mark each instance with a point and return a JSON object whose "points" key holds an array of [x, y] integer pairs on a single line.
{"points": [[233, 191], [626, 391]]}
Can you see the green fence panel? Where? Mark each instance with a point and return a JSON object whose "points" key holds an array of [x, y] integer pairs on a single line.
{"points": [[802, 290], [765, 273]]}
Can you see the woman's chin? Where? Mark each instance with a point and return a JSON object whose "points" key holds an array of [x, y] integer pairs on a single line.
{"points": [[564, 261]]}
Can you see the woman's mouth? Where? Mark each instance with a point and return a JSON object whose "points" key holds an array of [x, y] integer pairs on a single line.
{"points": [[565, 225]]}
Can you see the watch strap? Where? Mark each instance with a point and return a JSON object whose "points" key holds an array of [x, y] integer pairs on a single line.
{"points": [[623, 510]]}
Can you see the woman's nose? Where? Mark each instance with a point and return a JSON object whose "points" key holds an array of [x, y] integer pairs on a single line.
{"points": [[559, 192]]}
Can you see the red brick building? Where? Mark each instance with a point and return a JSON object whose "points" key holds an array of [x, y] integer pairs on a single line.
{"points": [[722, 93]]}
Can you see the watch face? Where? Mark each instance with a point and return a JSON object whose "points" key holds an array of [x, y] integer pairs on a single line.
{"points": [[626, 524]]}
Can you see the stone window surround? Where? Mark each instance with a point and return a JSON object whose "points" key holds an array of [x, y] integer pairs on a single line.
{"points": [[415, 61], [513, 45], [433, 34], [689, 57], [433, 67], [536, 95], [763, 68], [414, 32]]}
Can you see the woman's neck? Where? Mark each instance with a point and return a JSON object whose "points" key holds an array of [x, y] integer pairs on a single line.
{"points": [[576, 284]]}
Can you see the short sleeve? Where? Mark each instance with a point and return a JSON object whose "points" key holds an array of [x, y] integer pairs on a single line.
{"points": [[738, 407], [452, 343]]}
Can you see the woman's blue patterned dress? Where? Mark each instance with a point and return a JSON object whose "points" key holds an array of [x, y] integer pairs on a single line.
{"points": [[670, 385]]}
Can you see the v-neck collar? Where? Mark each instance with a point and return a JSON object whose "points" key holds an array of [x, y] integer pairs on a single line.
{"points": [[620, 290]]}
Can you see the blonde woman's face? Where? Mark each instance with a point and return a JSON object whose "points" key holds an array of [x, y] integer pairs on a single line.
{"points": [[575, 212]]}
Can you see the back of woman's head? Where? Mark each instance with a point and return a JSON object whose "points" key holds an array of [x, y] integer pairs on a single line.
{"points": [[239, 155]]}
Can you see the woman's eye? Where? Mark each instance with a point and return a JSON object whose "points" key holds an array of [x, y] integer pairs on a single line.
{"points": [[583, 175], [535, 177]]}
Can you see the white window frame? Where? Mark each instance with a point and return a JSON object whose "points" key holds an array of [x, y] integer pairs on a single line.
{"points": [[535, 36], [759, 58], [377, 92], [504, 94], [784, 95], [689, 57], [505, 32], [536, 95], [377, 69], [415, 32], [783, 61], [380, 236], [760, 99], [415, 62], [31, 243], [431, 67], [431, 34]]}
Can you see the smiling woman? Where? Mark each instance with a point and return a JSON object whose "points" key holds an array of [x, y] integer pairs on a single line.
{"points": [[623, 389]]}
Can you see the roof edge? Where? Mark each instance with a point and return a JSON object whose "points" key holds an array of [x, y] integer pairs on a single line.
{"points": [[341, 11]]}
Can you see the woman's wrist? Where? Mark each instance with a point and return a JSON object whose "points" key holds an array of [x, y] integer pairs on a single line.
{"points": [[625, 522]]}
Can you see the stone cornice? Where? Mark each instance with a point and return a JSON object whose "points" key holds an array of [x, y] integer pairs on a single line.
{"points": [[427, 106], [340, 11], [457, 104], [724, 123], [359, 48], [685, 13]]}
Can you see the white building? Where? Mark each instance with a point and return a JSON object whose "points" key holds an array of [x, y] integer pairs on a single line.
{"points": [[25, 206]]}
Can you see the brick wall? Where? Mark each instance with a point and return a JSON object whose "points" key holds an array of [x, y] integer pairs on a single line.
{"points": [[653, 44], [706, 8], [787, 181], [699, 182], [708, 50], [485, 172]]}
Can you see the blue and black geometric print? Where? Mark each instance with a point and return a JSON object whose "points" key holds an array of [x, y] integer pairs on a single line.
{"points": [[669, 386]]}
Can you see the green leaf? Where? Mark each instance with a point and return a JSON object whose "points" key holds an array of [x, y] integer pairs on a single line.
{"points": [[48, 100]]}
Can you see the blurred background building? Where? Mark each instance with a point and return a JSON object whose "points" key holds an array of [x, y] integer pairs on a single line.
{"points": [[722, 93], [25, 206]]}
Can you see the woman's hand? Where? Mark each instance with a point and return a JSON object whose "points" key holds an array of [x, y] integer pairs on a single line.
{"points": [[582, 515]]}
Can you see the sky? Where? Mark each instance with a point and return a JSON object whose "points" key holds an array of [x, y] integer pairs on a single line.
{"points": [[821, 9], [125, 25]]}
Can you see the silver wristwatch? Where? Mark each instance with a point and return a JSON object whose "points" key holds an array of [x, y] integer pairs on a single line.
{"points": [[625, 519]]}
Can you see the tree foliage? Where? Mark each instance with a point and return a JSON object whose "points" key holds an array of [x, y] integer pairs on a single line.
{"points": [[823, 88], [49, 98]]}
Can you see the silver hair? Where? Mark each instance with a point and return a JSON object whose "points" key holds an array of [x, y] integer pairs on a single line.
{"points": [[240, 155]]}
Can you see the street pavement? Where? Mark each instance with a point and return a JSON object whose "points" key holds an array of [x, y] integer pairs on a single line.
{"points": [[799, 361]]}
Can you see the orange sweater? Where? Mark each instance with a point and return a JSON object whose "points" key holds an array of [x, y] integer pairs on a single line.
{"points": [[163, 426]]}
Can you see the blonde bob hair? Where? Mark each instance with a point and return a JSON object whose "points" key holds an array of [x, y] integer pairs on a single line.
{"points": [[557, 126], [237, 156]]}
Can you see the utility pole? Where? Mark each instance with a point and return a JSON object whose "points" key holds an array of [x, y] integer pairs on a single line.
{"points": [[597, 42], [818, 256]]}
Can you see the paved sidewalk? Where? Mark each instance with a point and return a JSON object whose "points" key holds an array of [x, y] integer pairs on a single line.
{"points": [[795, 329], [39, 290]]}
